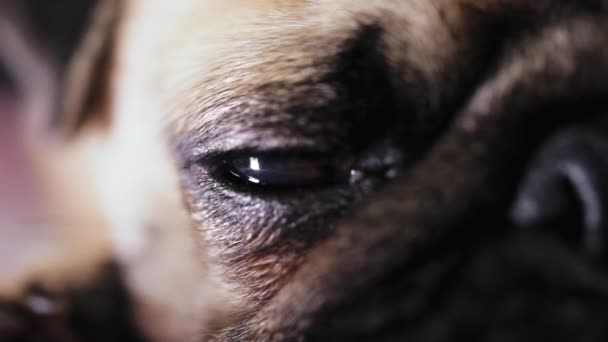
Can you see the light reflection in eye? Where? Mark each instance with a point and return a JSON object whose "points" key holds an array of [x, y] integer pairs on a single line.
{"points": [[254, 164], [253, 180]]}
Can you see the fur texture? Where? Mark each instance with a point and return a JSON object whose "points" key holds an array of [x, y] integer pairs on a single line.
{"points": [[451, 99]]}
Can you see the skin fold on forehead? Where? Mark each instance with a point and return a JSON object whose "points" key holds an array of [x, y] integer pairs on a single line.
{"points": [[201, 56]]}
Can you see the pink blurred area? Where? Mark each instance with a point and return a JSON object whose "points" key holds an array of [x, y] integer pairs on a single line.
{"points": [[21, 224], [15, 169]]}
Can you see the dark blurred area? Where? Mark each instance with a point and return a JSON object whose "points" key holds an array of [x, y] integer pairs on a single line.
{"points": [[55, 24], [6, 81], [52, 26]]}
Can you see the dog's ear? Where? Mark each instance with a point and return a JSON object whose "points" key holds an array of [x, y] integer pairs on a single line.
{"points": [[85, 82]]}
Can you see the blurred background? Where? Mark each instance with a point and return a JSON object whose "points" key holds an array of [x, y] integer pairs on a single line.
{"points": [[51, 27], [37, 38]]}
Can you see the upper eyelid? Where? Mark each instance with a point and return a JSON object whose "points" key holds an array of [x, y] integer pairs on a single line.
{"points": [[212, 158], [257, 119], [268, 99], [195, 149]]}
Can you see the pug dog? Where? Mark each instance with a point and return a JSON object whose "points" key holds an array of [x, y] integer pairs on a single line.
{"points": [[255, 170]]}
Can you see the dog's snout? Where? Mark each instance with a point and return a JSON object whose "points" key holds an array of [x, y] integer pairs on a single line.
{"points": [[565, 190]]}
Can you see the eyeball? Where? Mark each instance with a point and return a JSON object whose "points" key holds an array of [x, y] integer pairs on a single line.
{"points": [[280, 171]]}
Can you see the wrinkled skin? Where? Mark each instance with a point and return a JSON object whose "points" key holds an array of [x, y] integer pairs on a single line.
{"points": [[494, 228]]}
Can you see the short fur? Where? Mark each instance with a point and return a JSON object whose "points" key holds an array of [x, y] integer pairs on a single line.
{"points": [[464, 91]]}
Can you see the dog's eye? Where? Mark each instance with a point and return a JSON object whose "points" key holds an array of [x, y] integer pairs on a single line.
{"points": [[280, 171]]}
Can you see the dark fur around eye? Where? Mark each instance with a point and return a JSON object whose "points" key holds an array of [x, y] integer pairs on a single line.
{"points": [[318, 155]]}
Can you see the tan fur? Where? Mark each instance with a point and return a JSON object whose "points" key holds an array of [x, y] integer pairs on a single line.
{"points": [[161, 75], [181, 66]]}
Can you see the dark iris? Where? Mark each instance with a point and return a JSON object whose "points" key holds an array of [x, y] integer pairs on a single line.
{"points": [[285, 171]]}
